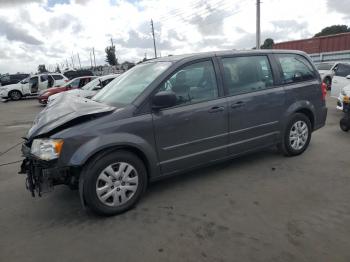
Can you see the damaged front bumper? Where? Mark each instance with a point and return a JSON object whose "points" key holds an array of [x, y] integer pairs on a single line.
{"points": [[42, 175]]}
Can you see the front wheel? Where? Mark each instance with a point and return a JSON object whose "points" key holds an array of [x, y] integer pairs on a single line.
{"points": [[114, 182], [297, 135], [15, 95]]}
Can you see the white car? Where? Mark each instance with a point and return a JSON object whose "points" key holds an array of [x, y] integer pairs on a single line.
{"points": [[341, 78], [326, 72], [90, 89], [31, 86], [344, 92]]}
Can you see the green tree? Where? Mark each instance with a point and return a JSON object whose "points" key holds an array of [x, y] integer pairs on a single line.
{"points": [[111, 58], [42, 69], [268, 44], [332, 30]]}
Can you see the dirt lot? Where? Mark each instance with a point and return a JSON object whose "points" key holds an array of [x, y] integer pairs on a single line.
{"points": [[262, 207]]}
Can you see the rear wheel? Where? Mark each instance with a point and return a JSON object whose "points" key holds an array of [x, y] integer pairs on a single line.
{"points": [[15, 95], [114, 182], [297, 135], [344, 124]]}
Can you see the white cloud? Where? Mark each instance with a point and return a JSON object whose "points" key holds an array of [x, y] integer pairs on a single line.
{"points": [[34, 32]]}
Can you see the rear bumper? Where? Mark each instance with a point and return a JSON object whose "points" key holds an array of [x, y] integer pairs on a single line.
{"points": [[321, 118]]}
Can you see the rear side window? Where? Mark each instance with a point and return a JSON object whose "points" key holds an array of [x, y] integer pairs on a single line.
{"points": [[43, 78], [57, 77], [342, 70], [295, 68], [247, 74]]}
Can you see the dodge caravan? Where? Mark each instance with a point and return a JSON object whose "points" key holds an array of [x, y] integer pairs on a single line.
{"points": [[170, 115]]}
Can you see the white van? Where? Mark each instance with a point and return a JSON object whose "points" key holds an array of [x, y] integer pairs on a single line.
{"points": [[32, 86]]}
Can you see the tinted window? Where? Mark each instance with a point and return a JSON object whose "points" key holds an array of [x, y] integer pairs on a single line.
{"points": [[57, 77], [43, 78], [342, 70], [74, 83], [247, 74], [295, 68], [193, 83]]}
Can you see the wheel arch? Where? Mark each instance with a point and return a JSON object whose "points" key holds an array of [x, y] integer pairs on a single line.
{"points": [[303, 107]]}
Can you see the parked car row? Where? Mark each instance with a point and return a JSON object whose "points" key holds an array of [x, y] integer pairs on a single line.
{"points": [[337, 78], [12, 79], [32, 86]]}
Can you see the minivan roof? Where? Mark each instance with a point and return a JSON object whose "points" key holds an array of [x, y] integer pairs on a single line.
{"points": [[176, 58]]}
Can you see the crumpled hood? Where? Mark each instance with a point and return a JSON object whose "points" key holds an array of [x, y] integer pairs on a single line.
{"points": [[63, 109]]}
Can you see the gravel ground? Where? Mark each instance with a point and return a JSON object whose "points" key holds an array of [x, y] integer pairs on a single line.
{"points": [[261, 207]]}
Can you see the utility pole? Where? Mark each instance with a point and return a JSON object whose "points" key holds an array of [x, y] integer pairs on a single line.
{"points": [[67, 63], [154, 41], [79, 60], [72, 60], [91, 59], [258, 24], [112, 41], [93, 52]]}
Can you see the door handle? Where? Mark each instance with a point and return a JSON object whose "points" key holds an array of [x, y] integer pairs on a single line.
{"points": [[215, 109], [238, 104]]}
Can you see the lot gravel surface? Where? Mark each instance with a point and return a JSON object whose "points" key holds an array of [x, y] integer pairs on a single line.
{"points": [[261, 207]]}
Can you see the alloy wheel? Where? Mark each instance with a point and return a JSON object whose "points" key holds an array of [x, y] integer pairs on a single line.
{"points": [[298, 135]]}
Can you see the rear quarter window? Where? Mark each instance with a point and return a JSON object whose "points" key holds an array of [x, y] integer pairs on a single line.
{"points": [[57, 77], [295, 68]]}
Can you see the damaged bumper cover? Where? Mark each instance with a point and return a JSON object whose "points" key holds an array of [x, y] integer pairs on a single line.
{"points": [[42, 175]]}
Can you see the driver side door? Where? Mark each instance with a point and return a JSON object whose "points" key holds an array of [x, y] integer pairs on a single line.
{"points": [[195, 130]]}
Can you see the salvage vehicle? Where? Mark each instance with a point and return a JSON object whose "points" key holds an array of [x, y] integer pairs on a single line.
{"points": [[345, 92], [75, 83], [341, 78], [170, 115], [31, 86], [12, 79], [90, 89], [326, 72]]}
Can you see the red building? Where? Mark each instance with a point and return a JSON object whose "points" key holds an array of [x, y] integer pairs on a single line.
{"points": [[317, 45]]}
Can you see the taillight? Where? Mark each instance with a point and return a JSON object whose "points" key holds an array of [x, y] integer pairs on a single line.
{"points": [[324, 91], [66, 80]]}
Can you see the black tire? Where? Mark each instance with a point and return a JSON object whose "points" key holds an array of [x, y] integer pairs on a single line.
{"points": [[344, 124], [328, 82], [285, 145], [95, 167], [15, 95]]}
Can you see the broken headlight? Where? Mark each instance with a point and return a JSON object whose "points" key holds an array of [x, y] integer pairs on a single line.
{"points": [[46, 149]]}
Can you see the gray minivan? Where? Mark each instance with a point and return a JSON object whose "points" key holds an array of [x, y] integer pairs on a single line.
{"points": [[170, 115]]}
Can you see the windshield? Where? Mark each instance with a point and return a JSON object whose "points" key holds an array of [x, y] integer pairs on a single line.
{"points": [[126, 88], [92, 84], [324, 66]]}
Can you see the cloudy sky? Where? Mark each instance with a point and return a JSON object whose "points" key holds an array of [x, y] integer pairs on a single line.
{"points": [[34, 32]]}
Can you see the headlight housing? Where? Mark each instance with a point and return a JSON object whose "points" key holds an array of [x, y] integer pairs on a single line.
{"points": [[47, 149]]}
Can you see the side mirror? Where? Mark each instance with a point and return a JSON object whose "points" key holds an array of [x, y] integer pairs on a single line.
{"points": [[164, 99], [348, 76], [97, 88]]}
